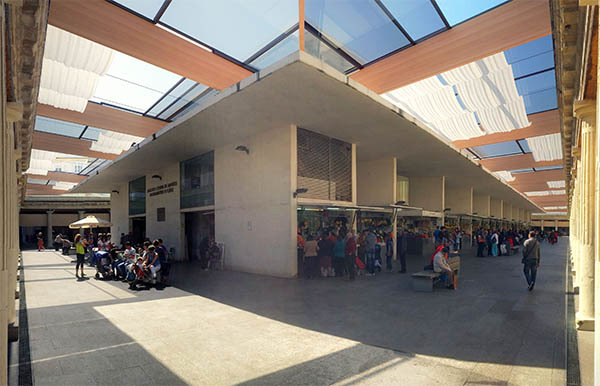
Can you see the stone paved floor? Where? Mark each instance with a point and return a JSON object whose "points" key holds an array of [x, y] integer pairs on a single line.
{"points": [[217, 328]]}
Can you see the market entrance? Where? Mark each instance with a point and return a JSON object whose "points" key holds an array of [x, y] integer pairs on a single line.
{"points": [[199, 229], [137, 227]]}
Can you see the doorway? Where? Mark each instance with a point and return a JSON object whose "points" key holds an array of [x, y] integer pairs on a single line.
{"points": [[137, 226], [199, 227]]}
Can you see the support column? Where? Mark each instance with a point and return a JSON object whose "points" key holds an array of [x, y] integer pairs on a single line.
{"points": [[586, 113], [49, 238], [496, 208], [81, 215]]}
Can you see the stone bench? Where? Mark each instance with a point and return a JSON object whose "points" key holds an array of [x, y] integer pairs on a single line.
{"points": [[424, 281]]}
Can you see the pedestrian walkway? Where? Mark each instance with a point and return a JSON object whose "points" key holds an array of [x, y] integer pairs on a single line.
{"points": [[218, 328]]}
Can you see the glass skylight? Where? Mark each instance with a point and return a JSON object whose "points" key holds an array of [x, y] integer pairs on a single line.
{"points": [[284, 48], [517, 171], [238, 28], [320, 50], [529, 50], [360, 27], [54, 126], [418, 17], [457, 11], [548, 168], [92, 133], [538, 91], [147, 8], [497, 149], [133, 84]]}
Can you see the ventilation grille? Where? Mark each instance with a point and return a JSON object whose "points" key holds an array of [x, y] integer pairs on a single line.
{"points": [[324, 167]]}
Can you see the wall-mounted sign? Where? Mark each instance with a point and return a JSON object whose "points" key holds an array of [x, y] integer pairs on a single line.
{"points": [[162, 189], [160, 214]]}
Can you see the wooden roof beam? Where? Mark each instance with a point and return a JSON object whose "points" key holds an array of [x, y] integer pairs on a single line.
{"points": [[107, 118], [67, 145], [510, 25], [114, 27], [38, 190], [516, 162], [547, 122]]}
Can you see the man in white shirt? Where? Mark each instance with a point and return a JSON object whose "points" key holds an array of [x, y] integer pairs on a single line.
{"points": [[440, 265]]}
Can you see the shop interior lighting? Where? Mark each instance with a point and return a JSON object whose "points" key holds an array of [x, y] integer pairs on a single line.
{"points": [[71, 69], [545, 147]]}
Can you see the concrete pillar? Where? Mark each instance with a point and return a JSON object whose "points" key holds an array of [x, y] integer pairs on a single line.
{"points": [[586, 113], [459, 199], [81, 215], [597, 249], [376, 181], [481, 204], [496, 207], [576, 225], [49, 238], [427, 193]]}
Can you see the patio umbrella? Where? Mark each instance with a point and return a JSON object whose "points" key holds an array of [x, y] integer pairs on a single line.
{"points": [[90, 222]]}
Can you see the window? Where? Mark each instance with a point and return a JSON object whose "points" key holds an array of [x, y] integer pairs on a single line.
{"points": [[324, 167], [137, 196], [197, 186], [402, 189]]}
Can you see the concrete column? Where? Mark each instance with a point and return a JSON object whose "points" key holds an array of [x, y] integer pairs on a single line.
{"points": [[81, 215], [427, 193], [49, 238], [597, 250], [459, 199], [586, 113], [376, 181], [481, 204], [576, 224], [496, 208]]}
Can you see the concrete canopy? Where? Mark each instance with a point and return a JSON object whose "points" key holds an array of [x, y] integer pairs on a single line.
{"points": [[301, 90]]}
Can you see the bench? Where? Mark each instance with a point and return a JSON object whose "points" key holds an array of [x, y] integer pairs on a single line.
{"points": [[424, 281]]}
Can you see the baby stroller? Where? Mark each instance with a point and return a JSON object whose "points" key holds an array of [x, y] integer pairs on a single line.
{"points": [[103, 266], [139, 276]]}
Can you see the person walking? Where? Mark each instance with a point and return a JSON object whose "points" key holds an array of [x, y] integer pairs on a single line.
{"points": [[40, 241], [80, 250], [389, 252], [350, 254], [480, 244], [401, 247], [531, 259], [339, 250], [310, 257], [371, 242]]}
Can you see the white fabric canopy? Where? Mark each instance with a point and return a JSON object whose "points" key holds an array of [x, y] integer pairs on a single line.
{"points": [[71, 69], [90, 222], [556, 184], [545, 147], [505, 176], [63, 185], [114, 143], [451, 102], [546, 193]]}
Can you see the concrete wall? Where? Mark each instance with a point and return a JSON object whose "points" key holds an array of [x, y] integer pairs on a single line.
{"points": [[459, 200], [506, 210], [171, 229], [427, 193], [481, 204], [376, 182], [255, 215], [496, 208], [119, 212]]}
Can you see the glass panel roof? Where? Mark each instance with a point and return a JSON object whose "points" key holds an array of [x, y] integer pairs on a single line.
{"points": [[320, 50], [524, 145], [284, 48], [171, 97], [521, 171], [534, 64], [535, 83], [538, 91], [457, 11], [92, 133], [238, 28], [548, 168], [360, 27], [53, 126], [540, 101], [497, 149], [147, 8], [191, 94], [418, 17], [528, 50], [133, 84]]}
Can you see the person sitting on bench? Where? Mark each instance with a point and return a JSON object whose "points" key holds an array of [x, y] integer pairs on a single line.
{"points": [[440, 265]]}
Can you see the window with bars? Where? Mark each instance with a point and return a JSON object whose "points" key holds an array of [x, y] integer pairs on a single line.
{"points": [[324, 167]]}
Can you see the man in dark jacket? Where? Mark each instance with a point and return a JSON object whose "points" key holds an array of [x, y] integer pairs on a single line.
{"points": [[350, 254], [531, 259]]}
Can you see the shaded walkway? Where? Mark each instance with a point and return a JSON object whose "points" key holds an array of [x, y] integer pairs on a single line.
{"points": [[229, 327]]}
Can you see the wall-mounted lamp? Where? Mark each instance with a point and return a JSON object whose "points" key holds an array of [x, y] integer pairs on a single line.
{"points": [[157, 177], [447, 209], [400, 203], [300, 191], [115, 191], [242, 148], [474, 212]]}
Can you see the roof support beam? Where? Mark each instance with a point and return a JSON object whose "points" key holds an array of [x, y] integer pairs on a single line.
{"points": [[59, 176], [541, 176], [104, 117], [67, 145], [547, 122], [509, 25], [516, 162], [111, 26], [38, 189]]}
